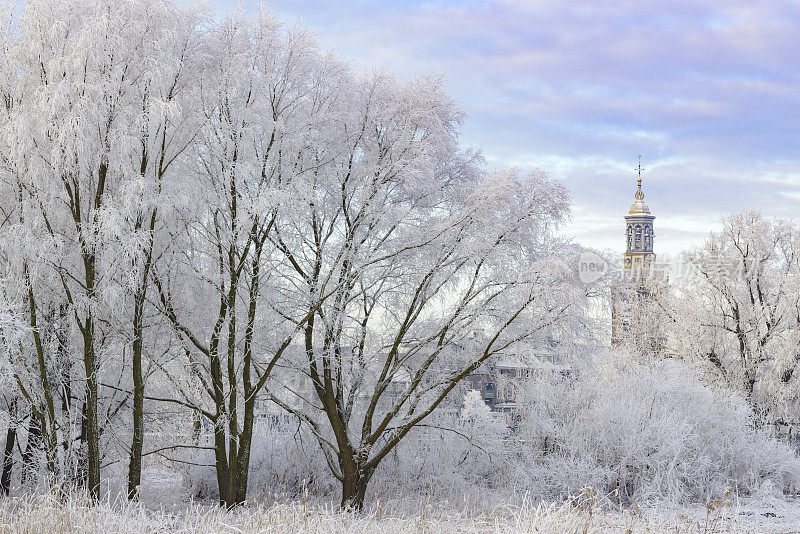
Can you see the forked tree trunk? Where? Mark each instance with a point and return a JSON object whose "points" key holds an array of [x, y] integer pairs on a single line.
{"points": [[233, 464], [232, 474]]}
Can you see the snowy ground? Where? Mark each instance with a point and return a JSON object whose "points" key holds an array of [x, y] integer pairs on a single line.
{"points": [[164, 511], [776, 517], [772, 516]]}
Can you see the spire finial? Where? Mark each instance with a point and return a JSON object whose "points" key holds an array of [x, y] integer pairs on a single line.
{"points": [[639, 193], [639, 169]]}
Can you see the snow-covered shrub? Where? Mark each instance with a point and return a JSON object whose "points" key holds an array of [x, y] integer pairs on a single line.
{"points": [[456, 455], [644, 432]]}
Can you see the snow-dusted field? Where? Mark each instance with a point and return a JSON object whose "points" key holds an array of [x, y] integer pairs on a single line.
{"points": [[51, 514]]}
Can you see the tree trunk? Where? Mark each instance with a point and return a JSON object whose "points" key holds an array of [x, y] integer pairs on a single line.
{"points": [[750, 395], [83, 464], [8, 455], [92, 426], [90, 363], [221, 461], [197, 427], [135, 465], [34, 443], [66, 380], [232, 477], [246, 436], [47, 424], [243, 459], [232, 468], [354, 481], [354, 489]]}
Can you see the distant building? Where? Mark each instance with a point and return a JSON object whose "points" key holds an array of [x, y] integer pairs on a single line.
{"points": [[628, 294], [499, 379]]}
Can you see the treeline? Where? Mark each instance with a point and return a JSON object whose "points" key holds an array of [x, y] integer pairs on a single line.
{"points": [[201, 215]]}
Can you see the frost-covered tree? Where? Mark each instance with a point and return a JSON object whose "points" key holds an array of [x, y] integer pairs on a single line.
{"points": [[164, 130], [432, 268], [13, 331], [199, 213], [92, 84], [474, 407], [268, 99], [738, 312]]}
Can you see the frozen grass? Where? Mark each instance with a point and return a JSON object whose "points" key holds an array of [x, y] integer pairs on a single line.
{"points": [[52, 514]]}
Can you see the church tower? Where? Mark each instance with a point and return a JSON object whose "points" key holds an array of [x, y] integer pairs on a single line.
{"points": [[639, 232], [628, 293]]}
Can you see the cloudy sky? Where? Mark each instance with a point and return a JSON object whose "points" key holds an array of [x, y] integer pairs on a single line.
{"points": [[708, 92]]}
